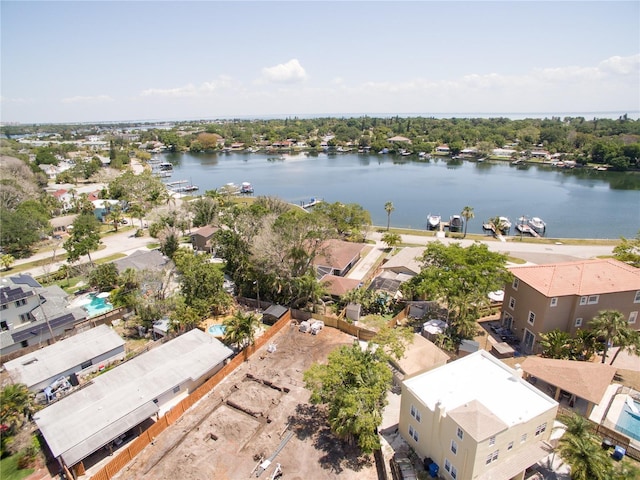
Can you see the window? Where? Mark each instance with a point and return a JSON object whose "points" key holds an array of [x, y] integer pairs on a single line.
{"points": [[4, 325], [86, 364], [510, 446], [541, 428], [24, 343], [633, 316], [460, 433], [515, 283], [25, 317], [454, 447], [176, 389], [4, 306], [637, 297], [412, 433], [492, 457], [492, 441], [523, 438], [554, 301], [512, 303], [415, 413], [22, 301], [454, 472], [532, 317], [583, 300], [447, 465], [578, 322], [593, 299]]}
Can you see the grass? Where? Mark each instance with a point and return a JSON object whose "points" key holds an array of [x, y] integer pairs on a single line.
{"points": [[9, 469]]}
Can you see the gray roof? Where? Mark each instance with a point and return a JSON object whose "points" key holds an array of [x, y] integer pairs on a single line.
{"points": [[51, 361], [119, 399], [143, 260], [276, 311], [406, 259]]}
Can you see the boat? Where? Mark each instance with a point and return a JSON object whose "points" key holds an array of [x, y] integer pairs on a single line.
{"points": [[455, 223], [246, 188], [538, 225], [230, 189], [433, 221], [311, 203], [505, 223], [165, 166]]}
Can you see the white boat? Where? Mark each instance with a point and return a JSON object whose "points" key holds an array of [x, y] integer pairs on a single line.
{"points": [[246, 188], [538, 225], [505, 223], [230, 189], [433, 221], [455, 223]]}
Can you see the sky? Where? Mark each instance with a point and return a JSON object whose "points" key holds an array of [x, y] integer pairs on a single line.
{"points": [[91, 61]]}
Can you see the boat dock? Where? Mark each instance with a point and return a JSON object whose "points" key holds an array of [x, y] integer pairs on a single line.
{"points": [[524, 228], [311, 203], [181, 186]]}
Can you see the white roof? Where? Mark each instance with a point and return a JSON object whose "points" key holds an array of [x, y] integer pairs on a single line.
{"points": [[119, 399], [483, 378], [50, 362]]}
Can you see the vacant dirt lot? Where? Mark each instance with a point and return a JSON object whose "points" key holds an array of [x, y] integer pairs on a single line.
{"points": [[260, 407]]}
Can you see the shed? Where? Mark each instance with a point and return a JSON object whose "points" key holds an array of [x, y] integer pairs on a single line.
{"points": [[274, 313], [352, 312]]}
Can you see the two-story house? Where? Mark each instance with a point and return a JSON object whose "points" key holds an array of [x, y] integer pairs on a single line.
{"points": [[566, 296], [476, 418]]}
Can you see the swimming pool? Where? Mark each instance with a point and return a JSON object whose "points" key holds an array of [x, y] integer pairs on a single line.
{"points": [[217, 330], [97, 305], [629, 422]]}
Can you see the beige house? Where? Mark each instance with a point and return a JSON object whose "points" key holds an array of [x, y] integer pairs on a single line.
{"points": [[477, 419], [201, 238], [566, 296]]}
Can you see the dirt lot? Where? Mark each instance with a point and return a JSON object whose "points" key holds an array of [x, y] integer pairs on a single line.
{"points": [[250, 415]]}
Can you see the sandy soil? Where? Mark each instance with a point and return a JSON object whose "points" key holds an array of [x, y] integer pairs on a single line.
{"points": [[249, 415]]}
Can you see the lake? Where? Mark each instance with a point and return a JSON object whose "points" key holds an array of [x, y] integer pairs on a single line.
{"points": [[577, 203]]}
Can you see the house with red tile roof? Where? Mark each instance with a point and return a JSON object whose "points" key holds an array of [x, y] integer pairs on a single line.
{"points": [[337, 257], [567, 296]]}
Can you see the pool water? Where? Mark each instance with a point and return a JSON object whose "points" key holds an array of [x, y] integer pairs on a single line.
{"points": [[217, 330], [629, 422], [97, 306]]}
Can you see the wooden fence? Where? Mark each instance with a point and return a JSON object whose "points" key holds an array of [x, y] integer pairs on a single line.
{"points": [[145, 438]]}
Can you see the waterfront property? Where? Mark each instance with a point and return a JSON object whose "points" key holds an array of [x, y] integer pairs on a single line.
{"points": [[201, 239], [81, 353], [120, 399], [567, 296], [476, 418], [337, 257]]}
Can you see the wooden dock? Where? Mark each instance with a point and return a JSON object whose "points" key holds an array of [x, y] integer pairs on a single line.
{"points": [[524, 228]]}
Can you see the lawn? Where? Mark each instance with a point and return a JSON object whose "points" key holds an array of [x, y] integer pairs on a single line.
{"points": [[9, 469]]}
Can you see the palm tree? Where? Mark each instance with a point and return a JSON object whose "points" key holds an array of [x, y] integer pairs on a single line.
{"points": [[611, 325], [16, 405], [587, 460], [240, 329], [388, 207], [467, 214], [630, 342], [556, 344]]}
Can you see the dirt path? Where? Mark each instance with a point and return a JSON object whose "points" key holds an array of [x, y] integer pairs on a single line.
{"points": [[249, 415]]}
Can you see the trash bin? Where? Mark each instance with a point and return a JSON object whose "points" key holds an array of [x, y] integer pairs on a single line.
{"points": [[618, 452], [433, 470]]}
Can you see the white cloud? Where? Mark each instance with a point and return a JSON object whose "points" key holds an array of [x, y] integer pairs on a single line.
{"points": [[16, 100], [87, 99], [621, 65], [191, 90], [290, 72]]}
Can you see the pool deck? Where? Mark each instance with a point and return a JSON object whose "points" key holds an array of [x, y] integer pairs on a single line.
{"points": [[616, 402]]}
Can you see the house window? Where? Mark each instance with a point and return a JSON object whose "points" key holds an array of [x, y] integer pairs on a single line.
{"points": [[541, 428], [510, 446], [633, 316], [593, 299], [523, 438], [460, 433], [454, 472], [413, 433], [447, 465], [25, 317], [583, 300], [454, 447], [415, 413], [515, 283], [22, 301], [492, 457], [636, 299], [24, 343], [86, 364], [4, 325], [578, 322], [176, 389], [512, 303], [4, 306], [554, 301], [492, 441], [532, 317]]}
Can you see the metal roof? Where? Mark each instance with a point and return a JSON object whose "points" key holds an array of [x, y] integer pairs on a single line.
{"points": [[54, 360], [91, 417]]}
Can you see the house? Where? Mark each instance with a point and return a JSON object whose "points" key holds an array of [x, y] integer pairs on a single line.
{"points": [[400, 139], [420, 356], [566, 296], [122, 398], [503, 152], [406, 261], [102, 208], [81, 353], [143, 260], [337, 257], [337, 286], [62, 224], [442, 149], [201, 238], [476, 418], [31, 314]]}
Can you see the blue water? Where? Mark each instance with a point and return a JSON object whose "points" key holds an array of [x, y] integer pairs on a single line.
{"points": [[97, 306], [217, 330], [577, 203], [629, 422]]}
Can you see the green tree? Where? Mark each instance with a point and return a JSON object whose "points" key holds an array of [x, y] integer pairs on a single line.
{"points": [[240, 329], [556, 344], [581, 450], [353, 384], [6, 261], [16, 406], [184, 318], [392, 239], [350, 220], [467, 213], [388, 207], [115, 216], [104, 277], [628, 251], [84, 239], [613, 327]]}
